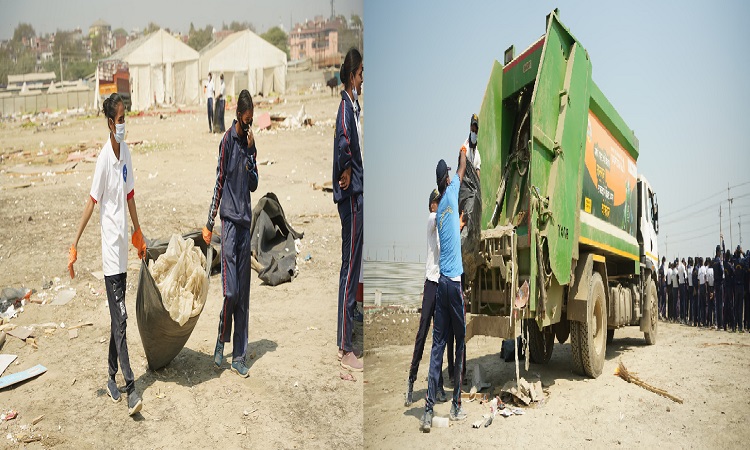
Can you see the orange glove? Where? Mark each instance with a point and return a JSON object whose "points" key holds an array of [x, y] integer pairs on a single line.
{"points": [[207, 235], [463, 149], [462, 221], [139, 243], [72, 257]]}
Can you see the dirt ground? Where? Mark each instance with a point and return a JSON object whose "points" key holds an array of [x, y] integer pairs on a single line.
{"points": [[707, 369], [294, 397]]}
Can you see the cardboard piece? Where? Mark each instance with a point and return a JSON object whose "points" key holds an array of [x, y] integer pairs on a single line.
{"points": [[10, 380], [63, 297], [72, 334], [5, 361], [263, 121], [21, 333]]}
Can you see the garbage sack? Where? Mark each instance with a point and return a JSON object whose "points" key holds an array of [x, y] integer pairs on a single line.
{"points": [[273, 241], [181, 277], [157, 247], [10, 296], [470, 203], [162, 337], [509, 346]]}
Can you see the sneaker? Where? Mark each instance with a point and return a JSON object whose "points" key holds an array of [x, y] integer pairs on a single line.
{"points": [[112, 390], [350, 362], [426, 422], [240, 368], [441, 396], [409, 393], [134, 403], [457, 413], [219, 353]]}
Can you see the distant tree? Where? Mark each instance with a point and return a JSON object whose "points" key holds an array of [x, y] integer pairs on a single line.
{"points": [[197, 39], [23, 30], [356, 21], [278, 38], [239, 26], [151, 28], [119, 32]]}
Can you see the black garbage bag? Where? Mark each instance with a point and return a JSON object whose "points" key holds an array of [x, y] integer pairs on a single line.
{"points": [[272, 241], [470, 203], [162, 337]]}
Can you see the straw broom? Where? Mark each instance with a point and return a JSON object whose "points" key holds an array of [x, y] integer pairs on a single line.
{"points": [[623, 373]]}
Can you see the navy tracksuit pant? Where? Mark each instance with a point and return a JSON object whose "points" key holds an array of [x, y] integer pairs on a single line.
{"points": [[351, 213], [739, 300], [210, 107], [118, 345], [425, 319], [683, 302], [235, 278], [705, 312], [449, 315], [719, 304]]}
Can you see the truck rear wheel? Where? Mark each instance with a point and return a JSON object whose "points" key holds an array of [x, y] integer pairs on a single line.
{"points": [[589, 338], [651, 300], [541, 342]]}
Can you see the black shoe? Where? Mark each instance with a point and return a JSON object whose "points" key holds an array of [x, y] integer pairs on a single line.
{"points": [[219, 353], [409, 393], [441, 396], [426, 423], [134, 403], [112, 390]]}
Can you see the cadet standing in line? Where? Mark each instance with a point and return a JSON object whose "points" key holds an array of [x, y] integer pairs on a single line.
{"points": [[740, 272]]}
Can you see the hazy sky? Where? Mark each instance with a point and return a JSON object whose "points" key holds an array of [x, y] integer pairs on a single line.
{"points": [[46, 16], [677, 72]]}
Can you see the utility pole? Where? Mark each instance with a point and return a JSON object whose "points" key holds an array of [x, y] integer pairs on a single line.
{"points": [[729, 200], [60, 55]]}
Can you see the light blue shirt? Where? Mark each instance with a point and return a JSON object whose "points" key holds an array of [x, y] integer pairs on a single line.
{"points": [[449, 231]]}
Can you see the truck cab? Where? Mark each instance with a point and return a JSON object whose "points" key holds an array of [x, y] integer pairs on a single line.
{"points": [[648, 224]]}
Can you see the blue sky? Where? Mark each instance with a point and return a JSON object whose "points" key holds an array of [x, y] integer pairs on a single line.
{"points": [[677, 72], [173, 14]]}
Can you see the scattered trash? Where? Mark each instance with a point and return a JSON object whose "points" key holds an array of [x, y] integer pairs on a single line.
{"points": [[312, 328], [507, 348], [327, 186], [346, 376], [247, 413], [5, 361], [72, 334], [308, 257], [10, 380], [37, 420], [12, 297], [440, 422], [263, 121], [523, 391], [10, 415], [296, 384], [477, 380], [80, 325], [21, 333], [63, 297], [2, 340], [623, 373]]}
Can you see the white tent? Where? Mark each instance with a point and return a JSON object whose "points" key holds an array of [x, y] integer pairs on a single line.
{"points": [[248, 62], [163, 70]]}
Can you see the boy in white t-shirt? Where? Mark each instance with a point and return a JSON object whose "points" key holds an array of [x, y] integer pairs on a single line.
{"points": [[113, 189]]}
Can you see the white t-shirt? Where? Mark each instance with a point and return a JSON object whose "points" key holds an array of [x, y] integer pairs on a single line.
{"points": [[210, 89], [472, 155], [221, 89], [669, 273], [675, 278], [432, 265], [681, 273], [702, 275], [710, 276], [113, 184]]}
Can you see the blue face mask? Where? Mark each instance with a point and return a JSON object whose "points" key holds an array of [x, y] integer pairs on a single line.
{"points": [[473, 139]]}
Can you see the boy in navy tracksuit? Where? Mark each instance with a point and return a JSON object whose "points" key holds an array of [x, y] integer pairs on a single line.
{"points": [[348, 187], [236, 178]]}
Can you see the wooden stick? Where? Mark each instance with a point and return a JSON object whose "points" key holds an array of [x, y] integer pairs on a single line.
{"points": [[80, 325], [623, 373]]}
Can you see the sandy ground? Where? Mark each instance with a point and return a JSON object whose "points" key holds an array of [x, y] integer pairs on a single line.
{"points": [[294, 397], [707, 369]]}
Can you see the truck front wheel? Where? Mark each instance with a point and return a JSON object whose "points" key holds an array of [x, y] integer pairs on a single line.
{"points": [[590, 341]]}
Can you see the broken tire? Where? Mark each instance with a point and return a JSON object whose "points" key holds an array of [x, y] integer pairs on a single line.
{"points": [[653, 315], [541, 342], [591, 337]]}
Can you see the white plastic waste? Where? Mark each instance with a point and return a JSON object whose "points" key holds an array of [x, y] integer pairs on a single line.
{"points": [[180, 275]]}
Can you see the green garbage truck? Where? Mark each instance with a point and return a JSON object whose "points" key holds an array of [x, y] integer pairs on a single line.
{"points": [[567, 248]]}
